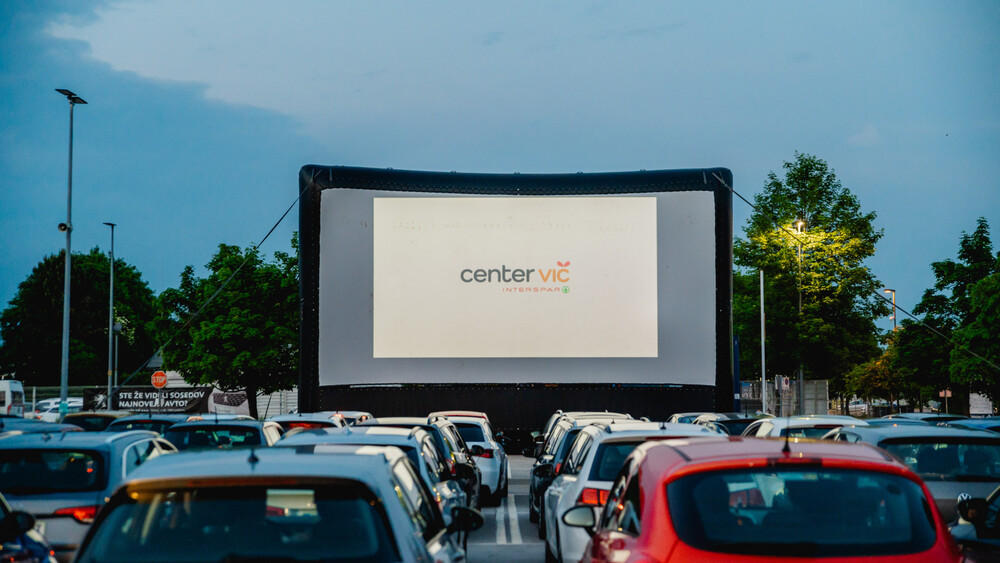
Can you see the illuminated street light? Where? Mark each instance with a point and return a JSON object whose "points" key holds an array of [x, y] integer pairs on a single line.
{"points": [[67, 228]]}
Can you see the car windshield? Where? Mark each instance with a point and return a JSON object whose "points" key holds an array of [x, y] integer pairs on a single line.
{"points": [[213, 437], [949, 460], [338, 523], [471, 432], [609, 459], [43, 471], [801, 512], [737, 426]]}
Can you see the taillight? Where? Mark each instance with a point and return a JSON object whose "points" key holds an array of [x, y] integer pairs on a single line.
{"points": [[557, 468], [592, 496], [84, 514], [487, 453]]}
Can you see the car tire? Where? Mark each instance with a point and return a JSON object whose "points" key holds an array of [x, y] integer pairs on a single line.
{"points": [[532, 514], [541, 522]]}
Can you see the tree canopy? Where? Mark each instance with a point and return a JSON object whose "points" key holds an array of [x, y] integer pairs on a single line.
{"points": [[244, 339], [810, 237], [31, 326], [965, 305]]}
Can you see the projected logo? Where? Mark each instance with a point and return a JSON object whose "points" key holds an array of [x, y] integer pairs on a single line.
{"points": [[521, 280]]}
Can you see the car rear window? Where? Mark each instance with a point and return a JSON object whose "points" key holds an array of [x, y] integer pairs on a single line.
{"points": [[290, 522], [736, 427], [948, 459], [43, 471], [471, 432], [214, 436], [609, 459], [801, 512], [154, 425], [89, 422]]}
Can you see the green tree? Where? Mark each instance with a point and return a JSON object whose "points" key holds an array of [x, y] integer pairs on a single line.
{"points": [[981, 335], [955, 306], [244, 339], [825, 263], [31, 326]]}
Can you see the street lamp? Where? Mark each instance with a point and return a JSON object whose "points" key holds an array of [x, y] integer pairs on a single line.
{"points": [[799, 227], [111, 313], [67, 227], [893, 292]]}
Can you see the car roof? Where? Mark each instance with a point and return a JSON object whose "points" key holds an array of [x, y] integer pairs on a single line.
{"points": [[305, 416], [629, 430], [387, 435], [356, 462], [684, 455], [875, 434], [809, 420], [208, 422], [111, 414], [460, 414], [63, 440], [414, 420], [151, 416]]}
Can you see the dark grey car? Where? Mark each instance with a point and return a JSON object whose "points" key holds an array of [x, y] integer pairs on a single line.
{"points": [[949, 460], [64, 479]]}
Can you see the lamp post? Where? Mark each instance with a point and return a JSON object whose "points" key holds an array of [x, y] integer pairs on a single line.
{"points": [[67, 227], [799, 226], [111, 313], [893, 292]]}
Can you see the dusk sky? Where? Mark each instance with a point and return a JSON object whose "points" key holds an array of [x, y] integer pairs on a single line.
{"points": [[200, 114]]}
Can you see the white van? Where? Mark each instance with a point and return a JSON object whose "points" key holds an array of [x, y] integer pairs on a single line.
{"points": [[11, 397]]}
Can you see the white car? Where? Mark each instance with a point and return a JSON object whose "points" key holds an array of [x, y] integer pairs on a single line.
{"points": [[47, 410], [486, 449], [804, 426], [594, 460]]}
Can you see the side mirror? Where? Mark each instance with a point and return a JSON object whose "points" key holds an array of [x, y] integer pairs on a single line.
{"points": [[15, 524], [477, 450], [465, 519], [973, 510], [582, 517], [542, 471]]}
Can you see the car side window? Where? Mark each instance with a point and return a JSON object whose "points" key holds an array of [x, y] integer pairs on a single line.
{"points": [[138, 453], [764, 429], [574, 460], [435, 465], [416, 500], [625, 517], [271, 435]]}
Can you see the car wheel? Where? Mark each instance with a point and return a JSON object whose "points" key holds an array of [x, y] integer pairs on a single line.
{"points": [[549, 556], [541, 522]]}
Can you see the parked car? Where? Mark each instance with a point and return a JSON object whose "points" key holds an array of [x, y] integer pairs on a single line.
{"points": [[321, 419], [684, 417], [991, 423], [594, 460], [489, 456], [977, 532], [804, 426], [729, 423], [309, 503], [63, 480], [47, 410], [11, 397], [414, 442], [726, 499], [539, 438], [929, 417], [554, 451], [19, 540], [949, 460], [156, 422], [93, 421], [233, 433], [452, 448], [30, 425]]}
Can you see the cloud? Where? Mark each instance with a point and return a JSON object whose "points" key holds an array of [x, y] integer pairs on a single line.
{"points": [[868, 137]]}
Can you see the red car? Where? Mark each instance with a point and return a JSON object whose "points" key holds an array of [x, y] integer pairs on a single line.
{"points": [[751, 499]]}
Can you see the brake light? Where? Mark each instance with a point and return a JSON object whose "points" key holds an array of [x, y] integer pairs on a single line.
{"points": [[592, 496], [557, 468], [83, 514], [487, 453]]}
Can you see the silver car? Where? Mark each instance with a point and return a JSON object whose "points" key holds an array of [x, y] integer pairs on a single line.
{"points": [[64, 479], [486, 449], [307, 503]]}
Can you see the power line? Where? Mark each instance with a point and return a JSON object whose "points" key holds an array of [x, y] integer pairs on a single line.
{"points": [[213, 296], [935, 331]]}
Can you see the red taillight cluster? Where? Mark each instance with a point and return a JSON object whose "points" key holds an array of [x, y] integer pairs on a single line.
{"points": [[592, 496], [84, 514], [487, 453]]}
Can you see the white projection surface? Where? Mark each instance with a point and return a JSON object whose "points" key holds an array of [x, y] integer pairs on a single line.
{"points": [[460, 288], [570, 277]]}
